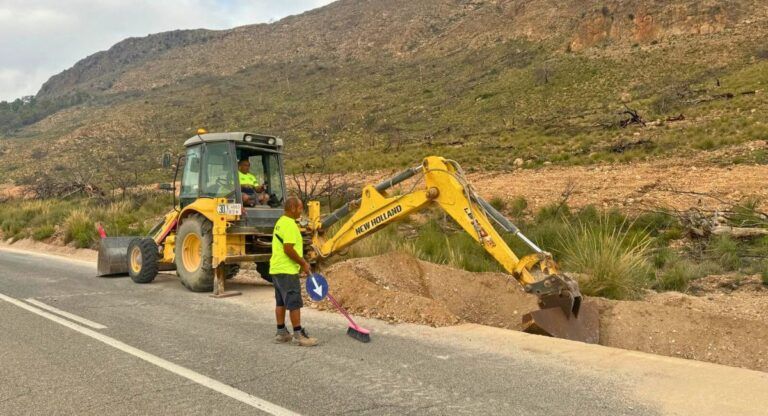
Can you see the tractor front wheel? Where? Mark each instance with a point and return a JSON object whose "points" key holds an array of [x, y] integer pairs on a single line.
{"points": [[194, 253], [142, 260]]}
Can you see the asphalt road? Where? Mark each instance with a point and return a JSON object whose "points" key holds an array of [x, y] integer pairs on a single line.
{"points": [[159, 349]]}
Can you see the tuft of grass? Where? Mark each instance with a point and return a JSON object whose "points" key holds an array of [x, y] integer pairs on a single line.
{"points": [[725, 251], [518, 207], [79, 228], [613, 262], [499, 203], [44, 232], [677, 277], [760, 268], [746, 214], [663, 256], [558, 212], [655, 222]]}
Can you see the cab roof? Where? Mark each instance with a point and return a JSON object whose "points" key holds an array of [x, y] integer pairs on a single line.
{"points": [[261, 140]]}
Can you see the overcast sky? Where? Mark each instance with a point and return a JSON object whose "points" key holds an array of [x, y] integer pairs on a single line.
{"points": [[40, 38]]}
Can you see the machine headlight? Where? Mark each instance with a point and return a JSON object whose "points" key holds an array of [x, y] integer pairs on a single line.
{"points": [[271, 141], [248, 138]]}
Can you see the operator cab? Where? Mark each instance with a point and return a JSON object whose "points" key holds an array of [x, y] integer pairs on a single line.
{"points": [[211, 171]]}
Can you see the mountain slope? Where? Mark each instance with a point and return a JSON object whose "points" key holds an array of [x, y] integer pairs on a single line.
{"points": [[486, 82]]}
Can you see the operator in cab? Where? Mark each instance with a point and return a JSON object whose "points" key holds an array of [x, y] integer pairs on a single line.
{"points": [[253, 192]]}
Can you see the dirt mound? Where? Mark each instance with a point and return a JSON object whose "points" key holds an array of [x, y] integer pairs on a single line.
{"points": [[725, 325], [399, 288]]}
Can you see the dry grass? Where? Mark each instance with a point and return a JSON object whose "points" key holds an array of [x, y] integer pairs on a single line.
{"points": [[612, 262]]}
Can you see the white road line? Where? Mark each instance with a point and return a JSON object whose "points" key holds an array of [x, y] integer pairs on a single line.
{"points": [[198, 378], [55, 256], [71, 316]]}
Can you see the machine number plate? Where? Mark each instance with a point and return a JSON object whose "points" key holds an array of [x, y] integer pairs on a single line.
{"points": [[229, 209]]}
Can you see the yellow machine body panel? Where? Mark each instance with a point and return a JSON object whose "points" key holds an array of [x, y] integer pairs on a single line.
{"points": [[210, 208]]}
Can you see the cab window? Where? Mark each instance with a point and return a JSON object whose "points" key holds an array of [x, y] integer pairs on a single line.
{"points": [[266, 167], [190, 178], [218, 173]]}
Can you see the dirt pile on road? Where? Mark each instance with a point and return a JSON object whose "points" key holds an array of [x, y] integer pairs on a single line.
{"points": [[399, 288], [725, 324]]}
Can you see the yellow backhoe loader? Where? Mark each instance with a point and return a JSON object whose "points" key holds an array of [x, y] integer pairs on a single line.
{"points": [[210, 232]]}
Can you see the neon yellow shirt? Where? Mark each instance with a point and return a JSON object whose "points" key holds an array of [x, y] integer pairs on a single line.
{"points": [[247, 179], [288, 231]]}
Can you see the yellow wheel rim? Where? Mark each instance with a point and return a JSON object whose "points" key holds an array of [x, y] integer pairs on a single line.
{"points": [[191, 252], [136, 260]]}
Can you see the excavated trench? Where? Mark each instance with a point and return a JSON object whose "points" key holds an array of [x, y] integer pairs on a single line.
{"points": [[725, 323]]}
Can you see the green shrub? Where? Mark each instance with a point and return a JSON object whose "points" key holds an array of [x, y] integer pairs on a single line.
{"points": [[79, 228], [746, 214], [613, 263], [43, 232], [547, 235], [725, 251], [558, 212], [518, 207], [498, 203], [655, 222], [11, 227], [677, 277], [465, 253], [674, 233], [663, 256], [706, 144]]}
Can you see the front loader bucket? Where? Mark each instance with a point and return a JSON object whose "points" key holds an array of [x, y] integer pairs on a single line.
{"points": [[113, 256], [559, 322]]}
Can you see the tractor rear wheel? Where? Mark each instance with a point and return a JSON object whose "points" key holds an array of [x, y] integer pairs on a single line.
{"points": [[263, 269], [194, 253], [142, 260]]}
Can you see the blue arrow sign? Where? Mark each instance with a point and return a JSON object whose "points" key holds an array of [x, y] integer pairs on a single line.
{"points": [[317, 287]]}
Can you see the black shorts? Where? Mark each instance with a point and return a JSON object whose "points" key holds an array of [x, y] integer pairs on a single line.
{"points": [[287, 291]]}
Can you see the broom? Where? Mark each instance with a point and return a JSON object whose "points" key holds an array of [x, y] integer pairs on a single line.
{"points": [[355, 331]]}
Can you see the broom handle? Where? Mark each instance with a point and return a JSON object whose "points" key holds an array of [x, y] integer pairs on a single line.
{"points": [[340, 309]]}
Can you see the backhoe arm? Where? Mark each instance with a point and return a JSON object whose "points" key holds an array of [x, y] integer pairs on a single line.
{"points": [[444, 185]]}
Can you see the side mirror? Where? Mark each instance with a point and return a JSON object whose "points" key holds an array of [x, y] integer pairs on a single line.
{"points": [[165, 187], [166, 161]]}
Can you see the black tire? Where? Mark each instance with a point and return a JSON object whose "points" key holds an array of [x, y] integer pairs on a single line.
{"points": [[231, 270], [195, 270], [263, 269], [142, 260]]}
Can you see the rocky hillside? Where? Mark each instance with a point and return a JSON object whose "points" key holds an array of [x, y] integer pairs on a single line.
{"points": [[98, 72], [395, 29], [487, 82]]}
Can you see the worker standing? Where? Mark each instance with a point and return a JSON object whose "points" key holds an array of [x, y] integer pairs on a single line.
{"points": [[286, 263]]}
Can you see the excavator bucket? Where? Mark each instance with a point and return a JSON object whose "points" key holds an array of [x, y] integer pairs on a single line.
{"points": [[562, 313], [113, 256], [553, 321]]}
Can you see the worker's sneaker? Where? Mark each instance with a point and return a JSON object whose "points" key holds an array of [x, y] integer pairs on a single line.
{"points": [[283, 336], [303, 339]]}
